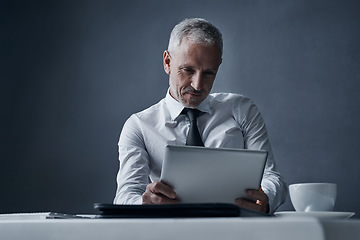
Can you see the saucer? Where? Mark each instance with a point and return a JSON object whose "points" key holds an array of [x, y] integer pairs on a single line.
{"points": [[319, 215]]}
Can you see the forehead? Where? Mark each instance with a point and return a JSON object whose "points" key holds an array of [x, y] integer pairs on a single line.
{"points": [[198, 53]]}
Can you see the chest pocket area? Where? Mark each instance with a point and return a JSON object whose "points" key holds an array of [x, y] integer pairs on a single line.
{"points": [[226, 134]]}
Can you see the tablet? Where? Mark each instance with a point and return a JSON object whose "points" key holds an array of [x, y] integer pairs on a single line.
{"points": [[212, 175]]}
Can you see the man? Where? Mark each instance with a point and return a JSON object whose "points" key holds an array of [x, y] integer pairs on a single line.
{"points": [[225, 120]]}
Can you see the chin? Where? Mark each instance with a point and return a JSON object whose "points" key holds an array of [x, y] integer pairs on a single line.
{"points": [[188, 104], [191, 102]]}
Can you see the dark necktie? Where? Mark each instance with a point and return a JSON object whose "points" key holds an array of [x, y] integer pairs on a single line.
{"points": [[193, 137]]}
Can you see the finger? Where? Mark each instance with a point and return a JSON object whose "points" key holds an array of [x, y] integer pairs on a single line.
{"points": [[162, 188], [161, 199], [156, 198], [248, 205], [151, 198], [257, 195]]}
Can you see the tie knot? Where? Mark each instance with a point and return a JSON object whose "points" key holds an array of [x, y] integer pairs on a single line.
{"points": [[192, 113]]}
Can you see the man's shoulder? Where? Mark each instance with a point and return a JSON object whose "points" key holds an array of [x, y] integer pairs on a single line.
{"points": [[228, 98], [153, 109], [238, 105]]}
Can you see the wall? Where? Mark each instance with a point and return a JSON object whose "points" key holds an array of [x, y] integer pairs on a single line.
{"points": [[73, 71]]}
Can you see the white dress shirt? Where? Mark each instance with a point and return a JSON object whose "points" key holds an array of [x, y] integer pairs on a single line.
{"points": [[228, 120]]}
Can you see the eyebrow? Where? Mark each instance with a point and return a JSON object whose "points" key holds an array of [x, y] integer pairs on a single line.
{"points": [[185, 65], [190, 66]]}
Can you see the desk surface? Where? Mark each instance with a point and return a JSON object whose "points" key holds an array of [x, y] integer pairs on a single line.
{"points": [[201, 228]]}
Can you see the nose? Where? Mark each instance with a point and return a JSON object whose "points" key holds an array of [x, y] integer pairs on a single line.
{"points": [[196, 81]]}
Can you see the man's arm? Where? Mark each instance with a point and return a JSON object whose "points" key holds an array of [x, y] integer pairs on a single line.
{"points": [[273, 187], [134, 170], [133, 175]]}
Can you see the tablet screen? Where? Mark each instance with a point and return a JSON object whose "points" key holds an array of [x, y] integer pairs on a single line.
{"points": [[212, 175]]}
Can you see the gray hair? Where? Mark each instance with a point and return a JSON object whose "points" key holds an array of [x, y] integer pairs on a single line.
{"points": [[197, 30]]}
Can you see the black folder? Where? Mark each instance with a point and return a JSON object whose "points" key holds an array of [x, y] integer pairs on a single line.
{"points": [[174, 211]]}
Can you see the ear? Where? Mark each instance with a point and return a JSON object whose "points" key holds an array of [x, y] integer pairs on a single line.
{"points": [[166, 61]]}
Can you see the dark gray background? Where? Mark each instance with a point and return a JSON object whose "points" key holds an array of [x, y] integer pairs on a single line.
{"points": [[73, 71]]}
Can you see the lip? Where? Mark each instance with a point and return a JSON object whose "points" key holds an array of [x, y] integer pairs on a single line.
{"points": [[194, 94]]}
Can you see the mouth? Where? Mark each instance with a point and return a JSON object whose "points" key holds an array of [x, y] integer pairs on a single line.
{"points": [[192, 98], [193, 94]]}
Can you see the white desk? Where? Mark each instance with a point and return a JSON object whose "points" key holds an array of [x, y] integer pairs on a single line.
{"points": [[180, 229], [343, 230]]}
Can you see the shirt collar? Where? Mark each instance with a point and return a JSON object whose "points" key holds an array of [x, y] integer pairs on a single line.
{"points": [[175, 108]]}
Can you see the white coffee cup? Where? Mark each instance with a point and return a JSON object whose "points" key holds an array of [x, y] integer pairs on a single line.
{"points": [[309, 197]]}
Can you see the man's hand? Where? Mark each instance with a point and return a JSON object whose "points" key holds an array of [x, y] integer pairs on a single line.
{"points": [[260, 203], [159, 193]]}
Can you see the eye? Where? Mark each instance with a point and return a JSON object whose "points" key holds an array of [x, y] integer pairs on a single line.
{"points": [[188, 70], [210, 73]]}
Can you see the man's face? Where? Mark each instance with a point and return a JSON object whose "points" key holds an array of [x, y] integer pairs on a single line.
{"points": [[192, 70]]}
